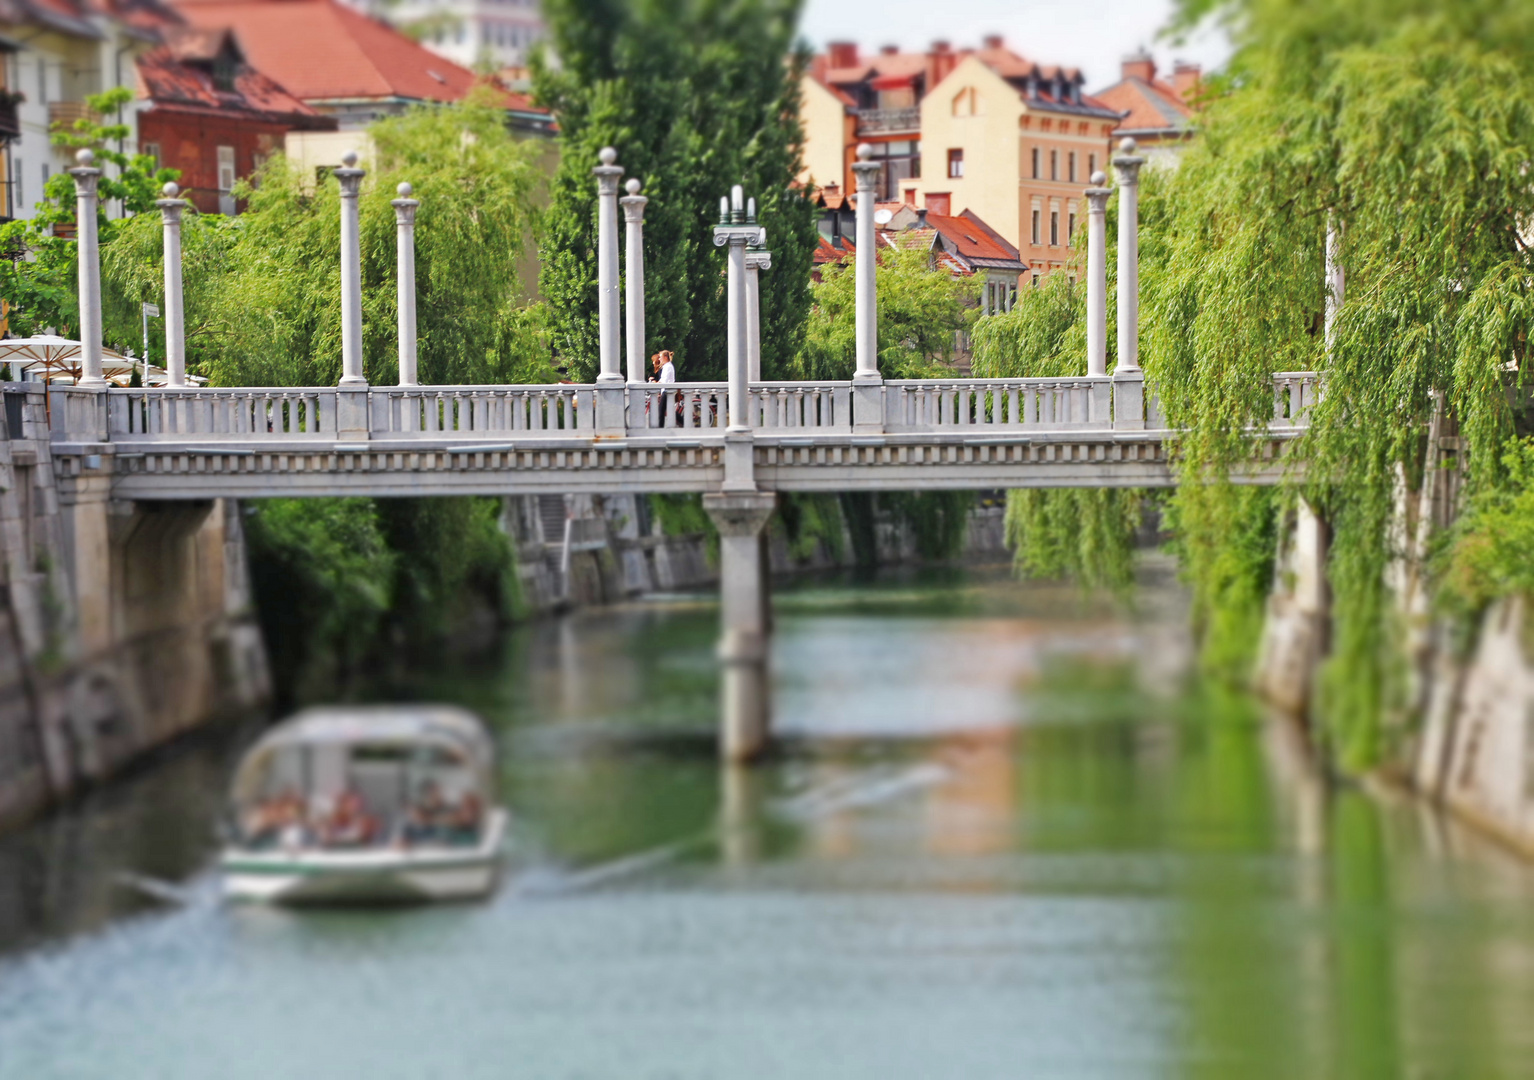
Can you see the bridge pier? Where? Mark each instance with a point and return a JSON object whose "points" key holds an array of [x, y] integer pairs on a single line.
{"points": [[745, 623]]}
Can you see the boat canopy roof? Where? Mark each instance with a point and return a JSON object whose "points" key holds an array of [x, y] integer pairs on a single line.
{"points": [[450, 733]]}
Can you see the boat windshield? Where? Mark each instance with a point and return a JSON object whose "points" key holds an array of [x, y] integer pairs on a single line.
{"points": [[309, 791]]}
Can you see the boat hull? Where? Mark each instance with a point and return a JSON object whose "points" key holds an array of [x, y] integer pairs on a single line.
{"points": [[372, 876]]}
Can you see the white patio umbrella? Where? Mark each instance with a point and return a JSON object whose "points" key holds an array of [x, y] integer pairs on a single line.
{"points": [[53, 357]]}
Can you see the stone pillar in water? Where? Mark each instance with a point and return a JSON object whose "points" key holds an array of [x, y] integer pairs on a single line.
{"points": [[745, 627]]}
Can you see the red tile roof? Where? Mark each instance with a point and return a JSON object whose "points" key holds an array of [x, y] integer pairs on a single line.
{"points": [[974, 242], [321, 50], [178, 76], [1147, 106]]}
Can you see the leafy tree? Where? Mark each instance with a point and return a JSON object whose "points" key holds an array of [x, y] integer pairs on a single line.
{"points": [[695, 96], [920, 309], [1406, 123]]}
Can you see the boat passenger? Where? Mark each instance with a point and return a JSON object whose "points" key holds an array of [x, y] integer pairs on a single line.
{"points": [[428, 815], [350, 824], [466, 819], [270, 822]]}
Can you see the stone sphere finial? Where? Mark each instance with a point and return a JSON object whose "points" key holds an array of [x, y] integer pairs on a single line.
{"points": [[404, 190], [1099, 178], [171, 189], [86, 158], [349, 159], [607, 155], [1127, 146], [865, 151], [633, 185]]}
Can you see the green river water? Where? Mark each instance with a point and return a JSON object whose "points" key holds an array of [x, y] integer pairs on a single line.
{"points": [[1002, 838]]}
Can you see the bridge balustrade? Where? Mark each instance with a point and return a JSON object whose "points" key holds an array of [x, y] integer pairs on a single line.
{"points": [[543, 410], [174, 413]]}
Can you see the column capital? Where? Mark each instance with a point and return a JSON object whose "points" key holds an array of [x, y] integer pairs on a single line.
{"points": [[744, 235], [404, 206], [1127, 164], [865, 169], [1097, 195], [86, 175], [757, 259], [608, 173], [170, 206], [349, 175], [740, 513], [633, 203]]}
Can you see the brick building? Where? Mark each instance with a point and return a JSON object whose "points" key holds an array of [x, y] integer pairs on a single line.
{"points": [[985, 129], [212, 116]]}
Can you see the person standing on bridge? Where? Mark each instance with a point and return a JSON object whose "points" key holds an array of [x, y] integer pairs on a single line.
{"points": [[664, 372]]}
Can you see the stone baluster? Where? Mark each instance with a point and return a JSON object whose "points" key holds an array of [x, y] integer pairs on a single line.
{"points": [[633, 222], [607, 174], [757, 260], [350, 178], [175, 314], [404, 224], [1127, 164], [87, 177], [1097, 275]]}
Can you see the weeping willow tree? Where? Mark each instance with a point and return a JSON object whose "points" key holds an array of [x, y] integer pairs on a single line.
{"points": [[1404, 129]]}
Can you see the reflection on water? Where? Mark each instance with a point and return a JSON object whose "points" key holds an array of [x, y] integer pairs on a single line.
{"points": [[986, 850]]}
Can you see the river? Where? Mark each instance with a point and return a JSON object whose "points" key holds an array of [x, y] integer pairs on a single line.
{"points": [[1004, 837]]}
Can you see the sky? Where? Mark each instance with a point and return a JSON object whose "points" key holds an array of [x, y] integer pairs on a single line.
{"points": [[1089, 34]]}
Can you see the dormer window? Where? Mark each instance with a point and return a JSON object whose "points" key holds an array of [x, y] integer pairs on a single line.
{"points": [[224, 71]]}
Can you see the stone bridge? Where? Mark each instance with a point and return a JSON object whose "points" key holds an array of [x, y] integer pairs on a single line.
{"points": [[738, 442]]}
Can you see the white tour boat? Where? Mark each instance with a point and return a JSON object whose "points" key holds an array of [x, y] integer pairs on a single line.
{"points": [[357, 805]]}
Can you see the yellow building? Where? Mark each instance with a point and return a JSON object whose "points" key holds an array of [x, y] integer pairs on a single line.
{"points": [[978, 129]]}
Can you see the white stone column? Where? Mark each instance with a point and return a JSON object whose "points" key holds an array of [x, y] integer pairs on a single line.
{"points": [[350, 178], [1336, 280], [175, 311], [756, 261], [866, 260], [745, 625], [633, 265], [607, 174], [1097, 275], [1127, 164], [404, 224], [88, 255]]}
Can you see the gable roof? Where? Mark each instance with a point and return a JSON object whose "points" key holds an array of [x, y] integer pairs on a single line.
{"points": [[178, 76], [1147, 105], [974, 242], [321, 50]]}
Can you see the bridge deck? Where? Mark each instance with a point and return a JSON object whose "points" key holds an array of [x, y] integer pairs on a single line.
{"points": [[197, 443]]}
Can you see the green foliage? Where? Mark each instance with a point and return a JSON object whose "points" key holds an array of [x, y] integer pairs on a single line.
{"points": [[695, 96], [323, 569], [937, 519], [1488, 556], [1084, 534], [919, 311], [809, 521], [1408, 125]]}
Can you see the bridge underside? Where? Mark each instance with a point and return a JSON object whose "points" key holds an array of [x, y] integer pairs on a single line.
{"points": [[406, 468]]}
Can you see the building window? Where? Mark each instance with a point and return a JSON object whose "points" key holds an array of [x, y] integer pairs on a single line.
{"points": [[1035, 226], [1070, 226], [225, 168], [1070, 164], [1091, 164], [1054, 228], [1054, 164], [1035, 162], [956, 164], [152, 152]]}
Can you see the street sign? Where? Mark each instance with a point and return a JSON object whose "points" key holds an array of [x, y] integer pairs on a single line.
{"points": [[152, 311]]}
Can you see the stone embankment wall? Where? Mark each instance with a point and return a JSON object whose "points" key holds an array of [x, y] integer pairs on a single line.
{"points": [[1464, 734], [584, 550], [121, 624]]}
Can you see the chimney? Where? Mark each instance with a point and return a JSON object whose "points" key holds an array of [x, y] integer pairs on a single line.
{"points": [[1139, 65], [941, 59], [844, 54], [1185, 79], [992, 41], [921, 218]]}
